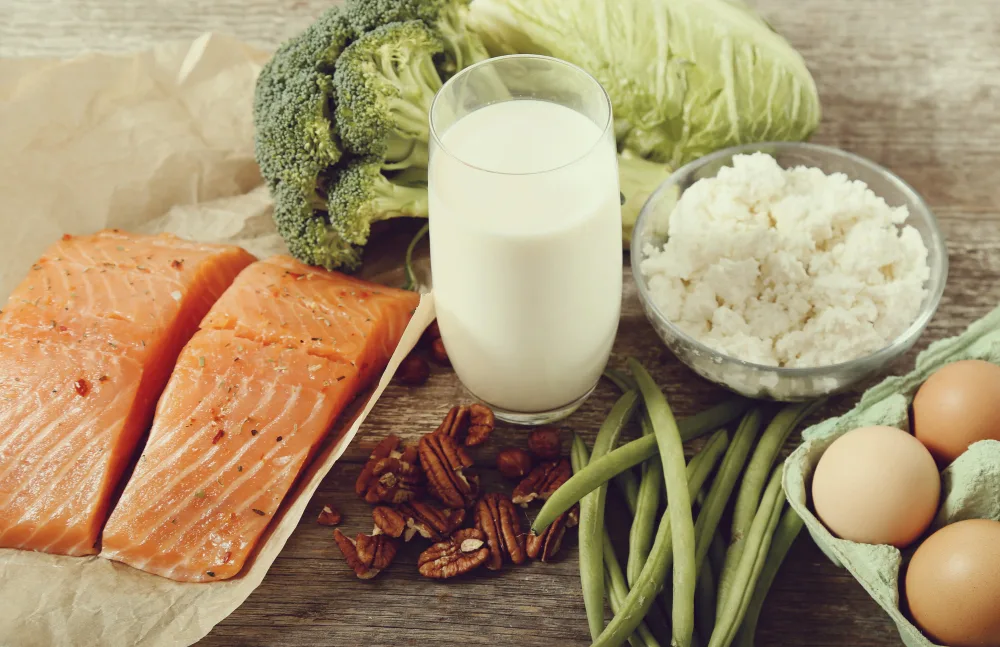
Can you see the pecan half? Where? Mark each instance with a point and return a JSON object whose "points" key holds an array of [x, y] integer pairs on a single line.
{"points": [[497, 517], [391, 475], [328, 516], [546, 546], [466, 550], [468, 425], [542, 481], [399, 479], [445, 464], [366, 479], [366, 554], [423, 518]]}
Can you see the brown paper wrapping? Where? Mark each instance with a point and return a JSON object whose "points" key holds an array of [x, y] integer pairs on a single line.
{"points": [[156, 141]]}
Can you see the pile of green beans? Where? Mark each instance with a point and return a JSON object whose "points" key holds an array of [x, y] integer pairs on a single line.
{"points": [[718, 580]]}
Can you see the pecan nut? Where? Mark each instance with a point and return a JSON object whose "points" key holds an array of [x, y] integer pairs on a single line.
{"points": [[445, 464], [545, 547], [423, 518], [367, 555], [399, 479], [466, 550], [468, 425], [497, 517], [328, 516], [366, 480], [542, 482], [391, 475]]}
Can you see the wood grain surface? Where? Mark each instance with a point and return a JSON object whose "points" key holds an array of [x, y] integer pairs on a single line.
{"points": [[912, 84]]}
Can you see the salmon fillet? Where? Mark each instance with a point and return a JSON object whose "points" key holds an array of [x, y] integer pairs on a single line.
{"points": [[277, 359], [87, 342]]}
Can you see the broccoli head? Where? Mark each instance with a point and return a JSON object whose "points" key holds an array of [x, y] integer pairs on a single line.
{"points": [[385, 82], [302, 221], [361, 194], [295, 139], [448, 18]]}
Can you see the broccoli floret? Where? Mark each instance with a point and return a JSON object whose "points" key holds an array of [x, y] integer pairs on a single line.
{"points": [[302, 222], [295, 139], [638, 178], [361, 194], [385, 82], [449, 18]]}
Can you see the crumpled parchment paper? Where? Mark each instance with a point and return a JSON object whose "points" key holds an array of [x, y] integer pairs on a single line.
{"points": [[971, 485], [155, 141]]}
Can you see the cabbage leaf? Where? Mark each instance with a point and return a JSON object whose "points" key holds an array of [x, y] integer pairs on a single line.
{"points": [[685, 77]]}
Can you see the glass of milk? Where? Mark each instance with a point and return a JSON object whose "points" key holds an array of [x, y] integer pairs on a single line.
{"points": [[525, 233]]}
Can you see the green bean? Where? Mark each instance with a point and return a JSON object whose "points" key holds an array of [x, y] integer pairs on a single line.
{"points": [[717, 555], [722, 487], [626, 480], [592, 517], [755, 477], [730, 613], [650, 582], [614, 580], [640, 538], [621, 380], [601, 470], [784, 536], [704, 601], [668, 438], [642, 636]]}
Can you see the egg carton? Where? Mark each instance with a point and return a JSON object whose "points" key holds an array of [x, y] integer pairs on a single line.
{"points": [[970, 485]]}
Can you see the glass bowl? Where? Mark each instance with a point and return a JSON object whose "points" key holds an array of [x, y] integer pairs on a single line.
{"points": [[770, 382]]}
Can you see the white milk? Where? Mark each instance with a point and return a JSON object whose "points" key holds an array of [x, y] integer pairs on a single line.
{"points": [[526, 252]]}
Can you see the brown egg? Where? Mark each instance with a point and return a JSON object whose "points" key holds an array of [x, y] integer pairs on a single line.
{"points": [[957, 406], [876, 485], [953, 584]]}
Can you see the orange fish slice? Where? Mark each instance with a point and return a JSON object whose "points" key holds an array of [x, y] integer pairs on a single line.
{"points": [[87, 343], [254, 394]]}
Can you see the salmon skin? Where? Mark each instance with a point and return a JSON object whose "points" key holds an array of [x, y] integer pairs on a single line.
{"points": [[87, 342], [277, 359]]}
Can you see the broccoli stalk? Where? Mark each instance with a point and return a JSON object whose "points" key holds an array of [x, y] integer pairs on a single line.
{"points": [[361, 195], [638, 178]]}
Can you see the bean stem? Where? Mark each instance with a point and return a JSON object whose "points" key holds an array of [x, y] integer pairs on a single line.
{"points": [[654, 573], [754, 479], [668, 438], [784, 536], [601, 470], [614, 580], [591, 531], [730, 613]]}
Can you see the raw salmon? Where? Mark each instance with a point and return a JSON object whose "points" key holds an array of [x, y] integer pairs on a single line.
{"points": [[277, 359], [87, 342]]}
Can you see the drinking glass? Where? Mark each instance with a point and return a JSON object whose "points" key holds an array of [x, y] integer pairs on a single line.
{"points": [[525, 233]]}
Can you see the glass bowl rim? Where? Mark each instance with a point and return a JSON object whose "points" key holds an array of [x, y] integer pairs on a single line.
{"points": [[916, 204]]}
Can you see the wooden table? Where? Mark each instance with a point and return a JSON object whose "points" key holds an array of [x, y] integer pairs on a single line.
{"points": [[912, 84]]}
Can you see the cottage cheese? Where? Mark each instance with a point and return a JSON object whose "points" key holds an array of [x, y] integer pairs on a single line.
{"points": [[788, 267]]}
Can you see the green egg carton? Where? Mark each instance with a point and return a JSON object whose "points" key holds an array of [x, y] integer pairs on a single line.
{"points": [[970, 485]]}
